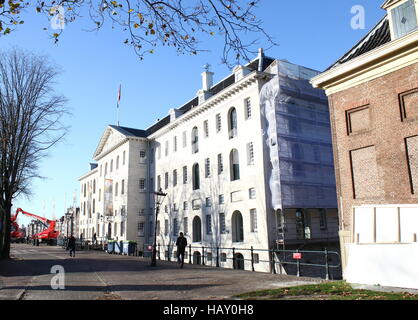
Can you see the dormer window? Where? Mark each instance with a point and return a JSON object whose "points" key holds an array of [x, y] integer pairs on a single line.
{"points": [[403, 18]]}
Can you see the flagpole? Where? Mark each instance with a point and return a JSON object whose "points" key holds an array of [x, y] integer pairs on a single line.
{"points": [[117, 107]]}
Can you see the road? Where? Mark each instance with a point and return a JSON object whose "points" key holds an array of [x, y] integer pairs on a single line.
{"points": [[94, 275]]}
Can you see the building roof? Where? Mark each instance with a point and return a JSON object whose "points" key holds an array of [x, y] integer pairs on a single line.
{"points": [[377, 37], [225, 83], [130, 131]]}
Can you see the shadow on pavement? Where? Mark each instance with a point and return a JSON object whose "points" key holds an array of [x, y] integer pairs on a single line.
{"points": [[117, 288]]}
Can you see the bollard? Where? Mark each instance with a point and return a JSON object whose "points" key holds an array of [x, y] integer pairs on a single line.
{"points": [[233, 258], [168, 253], [190, 254], [326, 265], [217, 257], [297, 265], [252, 258]]}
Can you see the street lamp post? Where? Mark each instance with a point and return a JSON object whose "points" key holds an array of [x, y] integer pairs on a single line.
{"points": [[159, 198]]}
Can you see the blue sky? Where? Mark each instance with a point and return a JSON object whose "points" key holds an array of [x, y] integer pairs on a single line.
{"points": [[311, 33]]}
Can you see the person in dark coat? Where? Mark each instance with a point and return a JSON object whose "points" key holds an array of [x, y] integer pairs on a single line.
{"points": [[71, 246], [181, 244]]}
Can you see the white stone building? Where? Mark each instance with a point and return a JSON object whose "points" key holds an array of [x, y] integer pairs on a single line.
{"points": [[246, 163]]}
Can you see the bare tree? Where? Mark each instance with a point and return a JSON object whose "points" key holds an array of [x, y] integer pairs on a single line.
{"points": [[150, 23], [30, 124]]}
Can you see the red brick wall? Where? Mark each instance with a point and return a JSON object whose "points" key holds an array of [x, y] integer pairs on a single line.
{"points": [[393, 117]]}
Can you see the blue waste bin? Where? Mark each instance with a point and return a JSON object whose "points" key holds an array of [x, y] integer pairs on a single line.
{"points": [[129, 247], [119, 247], [111, 247]]}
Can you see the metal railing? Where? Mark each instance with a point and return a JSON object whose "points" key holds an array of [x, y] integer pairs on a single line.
{"points": [[278, 259]]}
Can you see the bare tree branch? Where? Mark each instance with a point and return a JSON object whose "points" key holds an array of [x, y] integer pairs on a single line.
{"points": [[183, 25], [30, 123]]}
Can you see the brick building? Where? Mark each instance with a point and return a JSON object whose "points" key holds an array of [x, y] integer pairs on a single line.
{"points": [[373, 96]]}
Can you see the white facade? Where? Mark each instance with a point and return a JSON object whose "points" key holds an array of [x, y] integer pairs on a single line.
{"points": [[212, 158], [112, 201]]}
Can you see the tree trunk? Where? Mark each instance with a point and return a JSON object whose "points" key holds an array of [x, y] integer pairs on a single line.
{"points": [[5, 250]]}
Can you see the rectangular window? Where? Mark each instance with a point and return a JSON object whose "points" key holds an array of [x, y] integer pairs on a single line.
{"points": [[158, 183], [166, 180], [142, 156], [253, 216], [323, 219], [218, 122], [404, 19], [411, 144], [142, 184], [185, 225], [247, 108], [184, 139], [358, 120], [207, 168], [122, 189], [250, 153], [185, 205], [174, 178], [251, 192], [206, 128], [158, 227], [175, 226], [141, 229], [123, 157], [166, 227], [221, 199], [184, 174], [365, 173], [196, 204], [159, 152], [208, 202], [175, 144], [208, 224], [256, 258], [222, 225], [166, 149], [175, 207], [220, 164], [141, 212]]}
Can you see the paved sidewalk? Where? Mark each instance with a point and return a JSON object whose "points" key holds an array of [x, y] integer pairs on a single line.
{"points": [[98, 275]]}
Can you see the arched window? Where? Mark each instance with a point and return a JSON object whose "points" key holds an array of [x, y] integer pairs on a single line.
{"points": [[195, 140], [237, 227], [111, 165], [197, 229], [117, 162], [234, 164], [94, 205], [105, 169], [232, 123], [196, 177]]}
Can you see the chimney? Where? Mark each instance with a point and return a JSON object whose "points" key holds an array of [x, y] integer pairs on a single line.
{"points": [[260, 59], [207, 83]]}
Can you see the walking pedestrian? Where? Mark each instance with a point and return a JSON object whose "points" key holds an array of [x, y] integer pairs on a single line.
{"points": [[181, 244], [71, 246]]}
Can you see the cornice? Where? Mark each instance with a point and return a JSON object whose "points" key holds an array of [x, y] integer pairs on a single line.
{"points": [[247, 81]]}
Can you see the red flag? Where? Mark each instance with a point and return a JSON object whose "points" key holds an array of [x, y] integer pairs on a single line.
{"points": [[119, 94]]}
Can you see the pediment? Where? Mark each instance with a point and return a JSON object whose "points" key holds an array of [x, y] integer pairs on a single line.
{"points": [[108, 141]]}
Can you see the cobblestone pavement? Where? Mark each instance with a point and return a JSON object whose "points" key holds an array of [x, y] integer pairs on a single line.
{"points": [[93, 275]]}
